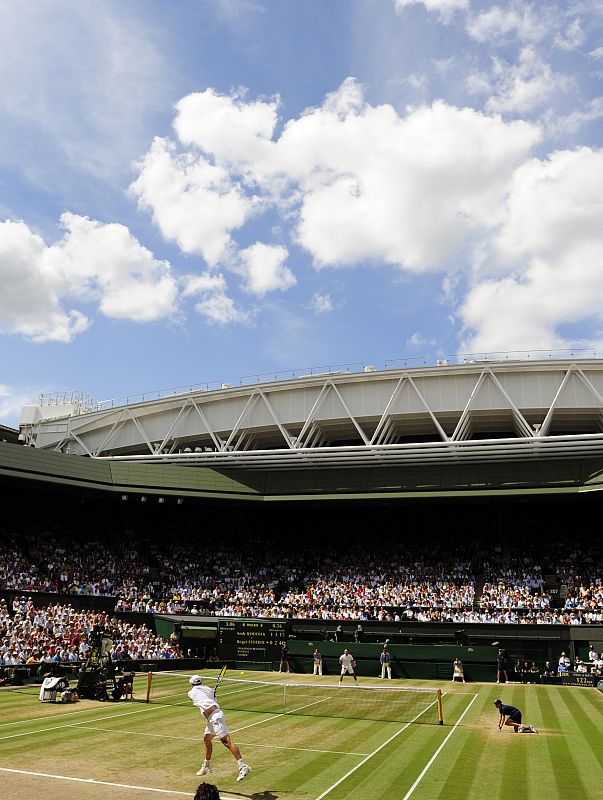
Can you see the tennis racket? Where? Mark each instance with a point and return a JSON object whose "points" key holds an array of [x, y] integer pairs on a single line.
{"points": [[219, 679]]}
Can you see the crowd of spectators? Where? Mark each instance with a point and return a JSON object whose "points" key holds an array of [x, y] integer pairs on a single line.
{"points": [[325, 578], [516, 588], [73, 565], [58, 633]]}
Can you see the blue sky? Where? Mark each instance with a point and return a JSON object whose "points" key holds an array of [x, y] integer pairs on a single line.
{"points": [[205, 190]]}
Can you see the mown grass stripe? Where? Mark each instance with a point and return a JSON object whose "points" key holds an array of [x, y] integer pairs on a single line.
{"points": [[367, 758], [580, 715], [593, 697], [514, 769], [567, 775], [459, 776], [392, 770]]}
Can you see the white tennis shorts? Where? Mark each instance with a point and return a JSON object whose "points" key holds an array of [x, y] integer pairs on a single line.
{"points": [[349, 670], [216, 724]]}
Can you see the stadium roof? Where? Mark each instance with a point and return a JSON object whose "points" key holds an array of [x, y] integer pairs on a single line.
{"points": [[8, 434], [447, 414], [173, 482]]}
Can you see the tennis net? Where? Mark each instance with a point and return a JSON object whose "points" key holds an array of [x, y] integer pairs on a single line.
{"points": [[387, 703]]}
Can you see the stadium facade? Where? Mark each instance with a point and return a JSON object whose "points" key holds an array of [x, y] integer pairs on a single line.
{"points": [[508, 431], [474, 428]]}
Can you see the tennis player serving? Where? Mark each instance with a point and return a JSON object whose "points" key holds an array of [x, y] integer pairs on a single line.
{"points": [[215, 725]]}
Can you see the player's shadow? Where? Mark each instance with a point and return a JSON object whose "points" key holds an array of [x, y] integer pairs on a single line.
{"points": [[265, 795]]}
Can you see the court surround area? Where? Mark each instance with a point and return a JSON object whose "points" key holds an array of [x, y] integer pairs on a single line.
{"points": [[134, 750]]}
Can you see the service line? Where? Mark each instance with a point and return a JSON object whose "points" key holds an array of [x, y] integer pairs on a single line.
{"points": [[374, 753]]}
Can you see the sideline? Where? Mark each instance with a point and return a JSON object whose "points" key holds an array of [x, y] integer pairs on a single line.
{"points": [[98, 708], [374, 753], [437, 752], [96, 719]]}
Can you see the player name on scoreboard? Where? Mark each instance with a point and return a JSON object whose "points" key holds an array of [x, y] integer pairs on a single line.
{"points": [[251, 640]]}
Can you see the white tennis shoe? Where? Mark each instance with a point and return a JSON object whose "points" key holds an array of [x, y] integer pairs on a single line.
{"points": [[244, 771], [205, 770]]}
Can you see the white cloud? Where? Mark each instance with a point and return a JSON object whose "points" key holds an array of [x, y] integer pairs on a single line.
{"points": [[30, 301], [264, 269], [597, 53], [239, 131], [421, 190], [572, 37], [572, 122], [321, 303], [517, 18], [408, 190], [418, 340], [12, 401], [105, 263], [215, 304], [551, 249], [92, 263], [357, 182], [522, 87], [443, 8], [194, 203]]}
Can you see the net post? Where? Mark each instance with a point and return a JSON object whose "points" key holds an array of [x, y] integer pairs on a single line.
{"points": [[440, 711], [149, 682]]}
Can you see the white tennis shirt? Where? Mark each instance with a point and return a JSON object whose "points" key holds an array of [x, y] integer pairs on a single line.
{"points": [[203, 697], [346, 661]]}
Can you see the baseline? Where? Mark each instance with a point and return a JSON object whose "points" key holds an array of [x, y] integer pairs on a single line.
{"points": [[93, 782]]}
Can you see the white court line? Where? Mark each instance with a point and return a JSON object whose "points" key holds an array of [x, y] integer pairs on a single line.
{"points": [[437, 752], [374, 753], [83, 711], [301, 749], [48, 716], [93, 782], [138, 711], [96, 708], [96, 719], [196, 739], [85, 722], [282, 714]]}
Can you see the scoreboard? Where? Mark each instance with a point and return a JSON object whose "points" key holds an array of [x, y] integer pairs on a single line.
{"points": [[251, 640]]}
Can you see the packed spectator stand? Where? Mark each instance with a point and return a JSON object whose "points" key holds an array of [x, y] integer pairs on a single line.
{"points": [[334, 579], [61, 634]]}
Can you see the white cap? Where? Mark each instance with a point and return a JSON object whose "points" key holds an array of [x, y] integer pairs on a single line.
{"points": [[195, 680]]}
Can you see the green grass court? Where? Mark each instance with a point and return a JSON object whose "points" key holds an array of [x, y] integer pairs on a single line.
{"points": [[133, 750]]}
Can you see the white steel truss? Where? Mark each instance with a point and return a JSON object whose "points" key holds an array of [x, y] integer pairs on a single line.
{"points": [[492, 412]]}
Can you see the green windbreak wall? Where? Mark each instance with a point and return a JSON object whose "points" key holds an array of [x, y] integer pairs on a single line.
{"points": [[408, 660]]}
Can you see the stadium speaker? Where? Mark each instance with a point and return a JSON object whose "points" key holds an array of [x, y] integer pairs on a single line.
{"points": [[461, 638]]}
